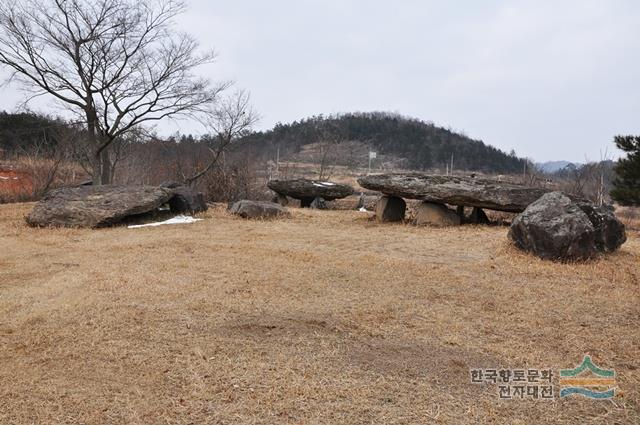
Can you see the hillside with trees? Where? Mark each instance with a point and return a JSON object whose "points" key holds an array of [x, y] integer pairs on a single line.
{"points": [[421, 144], [24, 131]]}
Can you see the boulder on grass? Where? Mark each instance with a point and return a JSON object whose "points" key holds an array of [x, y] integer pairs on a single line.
{"points": [[433, 214], [186, 200], [258, 209], [557, 228], [390, 209], [96, 206]]}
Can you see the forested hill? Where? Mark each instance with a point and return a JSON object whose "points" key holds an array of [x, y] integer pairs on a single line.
{"points": [[422, 144], [21, 132]]}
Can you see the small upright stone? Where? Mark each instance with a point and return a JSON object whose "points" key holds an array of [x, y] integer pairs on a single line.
{"points": [[434, 214], [281, 199], [318, 204], [390, 208], [478, 216]]}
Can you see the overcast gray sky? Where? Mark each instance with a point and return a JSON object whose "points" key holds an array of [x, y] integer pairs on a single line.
{"points": [[550, 79]]}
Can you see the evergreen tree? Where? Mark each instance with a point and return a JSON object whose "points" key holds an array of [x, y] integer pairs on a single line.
{"points": [[627, 182]]}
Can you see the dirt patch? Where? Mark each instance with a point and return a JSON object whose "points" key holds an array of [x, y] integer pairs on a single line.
{"points": [[14, 183]]}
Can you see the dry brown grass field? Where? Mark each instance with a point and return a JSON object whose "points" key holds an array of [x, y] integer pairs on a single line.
{"points": [[327, 317]]}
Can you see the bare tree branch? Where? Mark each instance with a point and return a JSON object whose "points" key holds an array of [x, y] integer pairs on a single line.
{"points": [[118, 64], [232, 119]]}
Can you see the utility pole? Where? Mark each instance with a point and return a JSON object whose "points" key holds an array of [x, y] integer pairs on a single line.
{"points": [[451, 168]]}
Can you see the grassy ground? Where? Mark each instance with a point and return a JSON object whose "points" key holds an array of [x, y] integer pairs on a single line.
{"points": [[326, 317]]}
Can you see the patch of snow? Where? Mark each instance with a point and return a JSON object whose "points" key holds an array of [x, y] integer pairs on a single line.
{"points": [[5, 178], [324, 184], [363, 209], [179, 219]]}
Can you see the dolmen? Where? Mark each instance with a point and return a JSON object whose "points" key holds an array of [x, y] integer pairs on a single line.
{"points": [[311, 193], [436, 191], [107, 205], [551, 225]]}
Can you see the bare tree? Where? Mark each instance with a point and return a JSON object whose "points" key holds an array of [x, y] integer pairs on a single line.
{"points": [[117, 64], [326, 150], [328, 136], [232, 118]]}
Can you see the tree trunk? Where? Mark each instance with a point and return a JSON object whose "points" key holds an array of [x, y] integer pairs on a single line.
{"points": [[105, 167], [97, 170], [101, 161], [102, 173]]}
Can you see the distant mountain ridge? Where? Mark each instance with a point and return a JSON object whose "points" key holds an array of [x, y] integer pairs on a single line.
{"points": [[421, 145], [551, 167]]}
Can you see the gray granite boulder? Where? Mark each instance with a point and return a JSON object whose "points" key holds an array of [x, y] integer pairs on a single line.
{"points": [[555, 227], [258, 209]]}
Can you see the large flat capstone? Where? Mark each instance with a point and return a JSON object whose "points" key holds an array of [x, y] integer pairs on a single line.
{"points": [[454, 190], [308, 190], [96, 206]]}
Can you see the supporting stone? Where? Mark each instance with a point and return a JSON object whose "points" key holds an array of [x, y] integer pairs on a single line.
{"points": [[360, 201], [318, 204], [390, 209], [478, 216], [281, 199], [434, 214]]}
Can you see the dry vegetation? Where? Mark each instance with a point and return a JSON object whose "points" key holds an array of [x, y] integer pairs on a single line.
{"points": [[327, 317]]}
